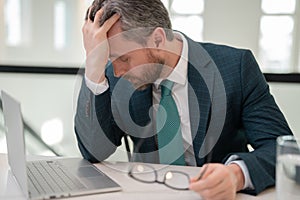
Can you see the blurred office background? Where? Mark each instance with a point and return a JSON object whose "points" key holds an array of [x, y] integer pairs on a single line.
{"points": [[41, 50]]}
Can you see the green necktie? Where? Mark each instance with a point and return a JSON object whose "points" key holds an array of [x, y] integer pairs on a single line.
{"points": [[169, 135]]}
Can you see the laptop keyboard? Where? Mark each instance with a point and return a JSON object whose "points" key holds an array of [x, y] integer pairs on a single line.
{"points": [[49, 177]]}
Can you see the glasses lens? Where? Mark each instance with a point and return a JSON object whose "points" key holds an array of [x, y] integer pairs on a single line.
{"points": [[143, 173], [177, 180]]}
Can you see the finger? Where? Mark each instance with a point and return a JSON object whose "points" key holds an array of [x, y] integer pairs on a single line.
{"points": [[198, 186], [208, 170], [88, 14], [213, 192], [220, 191], [215, 178], [193, 179], [206, 181], [204, 184], [110, 22], [98, 15], [204, 172], [201, 173], [87, 20], [215, 195]]}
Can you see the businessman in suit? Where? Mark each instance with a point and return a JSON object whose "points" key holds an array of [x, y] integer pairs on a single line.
{"points": [[222, 99]]}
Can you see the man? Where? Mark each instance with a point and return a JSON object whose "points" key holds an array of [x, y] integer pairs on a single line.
{"points": [[222, 99]]}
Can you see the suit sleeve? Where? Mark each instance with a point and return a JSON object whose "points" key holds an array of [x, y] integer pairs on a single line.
{"points": [[263, 122], [96, 133]]}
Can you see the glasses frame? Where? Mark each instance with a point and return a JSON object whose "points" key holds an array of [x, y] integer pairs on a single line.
{"points": [[156, 180]]}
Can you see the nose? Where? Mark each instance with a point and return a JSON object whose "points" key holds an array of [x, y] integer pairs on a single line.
{"points": [[119, 70]]}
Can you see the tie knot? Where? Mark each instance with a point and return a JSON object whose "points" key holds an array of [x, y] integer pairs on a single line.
{"points": [[166, 87]]}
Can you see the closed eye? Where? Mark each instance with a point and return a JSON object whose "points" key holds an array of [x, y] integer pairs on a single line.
{"points": [[124, 58]]}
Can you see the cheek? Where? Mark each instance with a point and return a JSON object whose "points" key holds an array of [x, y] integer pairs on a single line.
{"points": [[116, 64], [140, 62], [137, 64], [119, 68]]}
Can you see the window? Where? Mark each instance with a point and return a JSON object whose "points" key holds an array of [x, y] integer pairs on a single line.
{"points": [[59, 25], [273, 36], [12, 17], [187, 17], [277, 36]]}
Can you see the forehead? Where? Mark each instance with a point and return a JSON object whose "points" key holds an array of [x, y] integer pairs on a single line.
{"points": [[118, 44]]}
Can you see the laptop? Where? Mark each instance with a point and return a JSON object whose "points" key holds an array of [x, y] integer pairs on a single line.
{"points": [[50, 178]]}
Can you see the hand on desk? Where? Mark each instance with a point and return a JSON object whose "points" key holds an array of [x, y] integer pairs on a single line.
{"points": [[218, 181]]}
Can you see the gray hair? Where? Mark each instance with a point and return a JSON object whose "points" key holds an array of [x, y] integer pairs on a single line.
{"points": [[138, 18]]}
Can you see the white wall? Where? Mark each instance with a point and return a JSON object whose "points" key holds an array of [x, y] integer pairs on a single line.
{"points": [[287, 96], [234, 22]]}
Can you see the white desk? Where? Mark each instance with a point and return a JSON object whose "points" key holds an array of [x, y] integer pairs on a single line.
{"points": [[131, 189]]}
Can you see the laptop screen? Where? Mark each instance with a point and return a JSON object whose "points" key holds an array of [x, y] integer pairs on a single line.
{"points": [[15, 139]]}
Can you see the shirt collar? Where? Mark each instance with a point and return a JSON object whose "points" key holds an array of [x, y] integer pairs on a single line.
{"points": [[179, 73]]}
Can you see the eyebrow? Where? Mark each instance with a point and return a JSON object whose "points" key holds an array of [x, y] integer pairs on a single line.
{"points": [[116, 56]]}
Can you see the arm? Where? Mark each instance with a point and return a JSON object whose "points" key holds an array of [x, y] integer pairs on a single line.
{"points": [[97, 138], [263, 122]]}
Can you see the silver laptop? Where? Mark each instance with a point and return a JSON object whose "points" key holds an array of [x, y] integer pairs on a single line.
{"points": [[48, 179]]}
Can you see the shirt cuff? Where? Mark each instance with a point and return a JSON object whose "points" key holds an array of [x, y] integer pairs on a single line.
{"points": [[236, 159], [96, 88]]}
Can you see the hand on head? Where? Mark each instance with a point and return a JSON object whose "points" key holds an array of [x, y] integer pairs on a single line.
{"points": [[96, 44]]}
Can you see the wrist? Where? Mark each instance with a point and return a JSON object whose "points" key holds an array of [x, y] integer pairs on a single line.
{"points": [[94, 70], [95, 77], [239, 176]]}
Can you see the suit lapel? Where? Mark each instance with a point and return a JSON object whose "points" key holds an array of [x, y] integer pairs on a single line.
{"points": [[210, 97], [201, 80]]}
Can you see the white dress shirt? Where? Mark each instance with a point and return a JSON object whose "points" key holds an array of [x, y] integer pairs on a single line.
{"points": [[179, 93]]}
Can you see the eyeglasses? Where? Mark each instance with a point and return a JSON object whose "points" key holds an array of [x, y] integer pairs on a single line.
{"points": [[173, 179]]}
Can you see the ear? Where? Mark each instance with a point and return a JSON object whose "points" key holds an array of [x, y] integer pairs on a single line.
{"points": [[157, 38]]}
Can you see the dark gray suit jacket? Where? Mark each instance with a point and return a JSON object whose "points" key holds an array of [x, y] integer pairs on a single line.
{"points": [[229, 102]]}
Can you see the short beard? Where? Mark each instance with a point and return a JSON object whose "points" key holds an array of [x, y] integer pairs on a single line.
{"points": [[150, 76]]}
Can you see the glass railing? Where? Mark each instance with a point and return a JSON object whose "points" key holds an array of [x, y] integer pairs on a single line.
{"points": [[34, 143]]}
